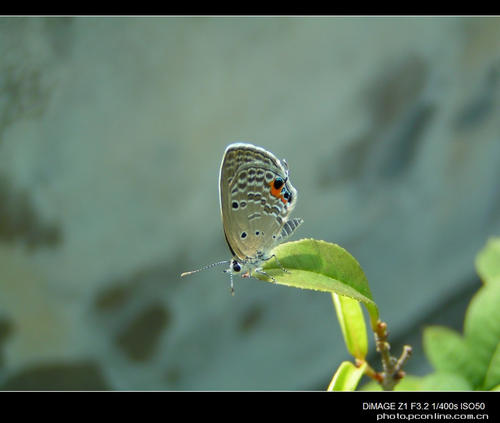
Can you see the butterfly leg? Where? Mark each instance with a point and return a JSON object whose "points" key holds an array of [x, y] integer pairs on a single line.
{"points": [[279, 264], [231, 277], [266, 275]]}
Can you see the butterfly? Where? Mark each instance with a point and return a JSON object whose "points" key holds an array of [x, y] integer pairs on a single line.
{"points": [[256, 201]]}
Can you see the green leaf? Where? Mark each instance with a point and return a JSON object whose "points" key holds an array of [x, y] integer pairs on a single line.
{"points": [[352, 323], [474, 357], [448, 352], [438, 381], [471, 361], [482, 327], [347, 377], [321, 266], [493, 373], [488, 261], [441, 381], [408, 383]]}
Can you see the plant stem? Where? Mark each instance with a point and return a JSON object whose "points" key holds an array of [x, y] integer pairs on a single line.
{"points": [[392, 366], [369, 371]]}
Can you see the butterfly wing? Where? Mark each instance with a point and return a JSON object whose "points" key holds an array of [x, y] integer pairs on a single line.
{"points": [[253, 210]]}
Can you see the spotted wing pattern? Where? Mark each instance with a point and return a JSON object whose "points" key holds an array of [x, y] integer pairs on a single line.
{"points": [[256, 199]]}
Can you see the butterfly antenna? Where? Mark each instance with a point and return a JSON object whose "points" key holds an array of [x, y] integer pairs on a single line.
{"points": [[205, 267]]}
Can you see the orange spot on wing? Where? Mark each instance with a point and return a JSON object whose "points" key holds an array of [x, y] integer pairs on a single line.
{"points": [[277, 192]]}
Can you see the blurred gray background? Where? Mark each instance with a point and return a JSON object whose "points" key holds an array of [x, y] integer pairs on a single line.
{"points": [[111, 136]]}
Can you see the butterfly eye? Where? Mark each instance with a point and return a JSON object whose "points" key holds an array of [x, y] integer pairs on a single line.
{"points": [[236, 266]]}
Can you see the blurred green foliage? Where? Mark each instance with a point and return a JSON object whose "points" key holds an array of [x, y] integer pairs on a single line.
{"points": [[471, 360]]}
